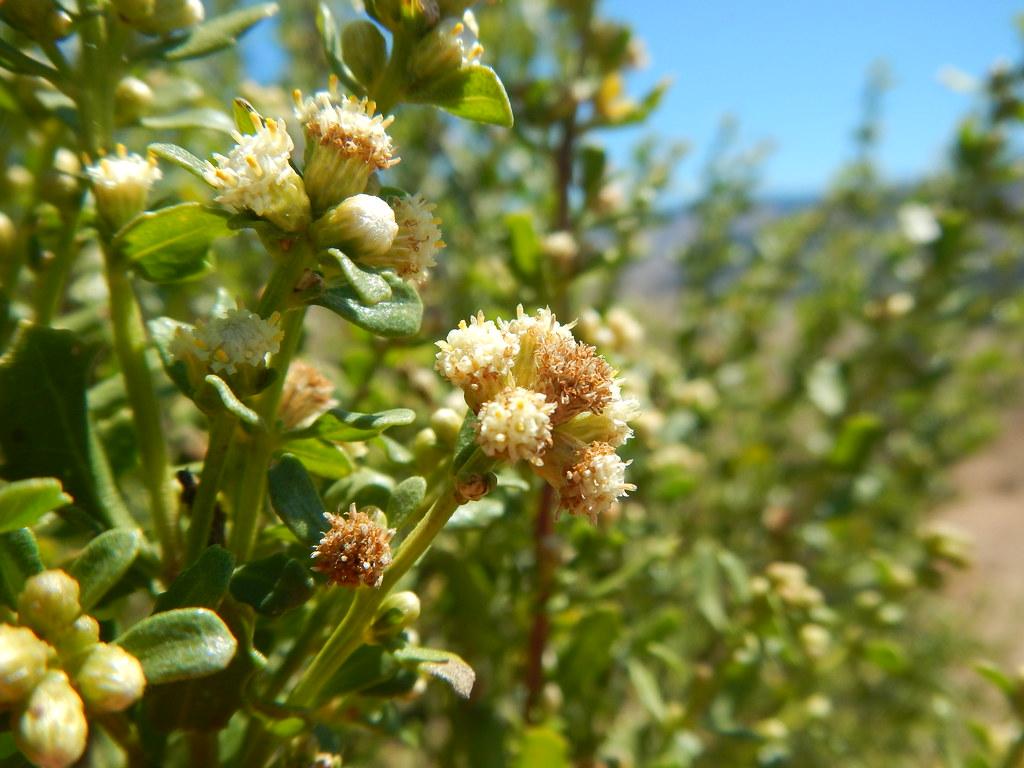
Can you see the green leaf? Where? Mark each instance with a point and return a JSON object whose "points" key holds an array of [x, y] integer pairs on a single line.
{"points": [[465, 442], [180, 157], [405, 500], [201, 585], [295, 500], [524, 243], [399, 315], [272, 585], [858, 435], [543, 746], [322, 458], [370, 287], [368, 665], [171, 244], [201, 117], [19, 559], [443, 665], [646, 686], [476, 514], [45, 431], [474, 92], [103, 562], [162, 330], [327, 27], [226, 398], [244, 115], [179, 645], [364, 487], [220, 32], [23, 502], [708, 585], [15, 61], [341, 426]]}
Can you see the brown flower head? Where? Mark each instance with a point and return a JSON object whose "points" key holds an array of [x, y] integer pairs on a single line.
{"points": [[307, 395], [355, 551]]}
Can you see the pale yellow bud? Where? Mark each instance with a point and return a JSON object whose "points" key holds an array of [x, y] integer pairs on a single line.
{"points": [[22, 662], [51, 729], [110, 679], [49, 602]]}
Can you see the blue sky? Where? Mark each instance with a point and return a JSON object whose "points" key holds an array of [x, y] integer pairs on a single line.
{"points": [[793, 71]]}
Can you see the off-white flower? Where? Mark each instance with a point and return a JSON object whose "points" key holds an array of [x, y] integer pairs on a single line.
{"points": [[918, 223], [417, 242], [306, 396], [224, 344], [257, 176], [121, 185], [595, 482], [363, 226], [474, 357], [516, 425], [345, 143]]}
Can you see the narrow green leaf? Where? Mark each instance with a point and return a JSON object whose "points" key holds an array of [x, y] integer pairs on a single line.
{"points": [[405, 500], [103, 562], [321, 458], [25, 501], [15, 61], [327, 27], [179, 645], [443, 665], [230, 402], [272, 585], [364, 487], [370, 287], [708, 585], [201, 117], [524, 243], [646, 686], [295, 500], [201, 585], [220, 32], [341, 426], [162, 330], [242, 113], [476, 514], [542, 745], [19, 559], [171, 244], [180, 157], [368, 665], [399, 315], [474, 92]]}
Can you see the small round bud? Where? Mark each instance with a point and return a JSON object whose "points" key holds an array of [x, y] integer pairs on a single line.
{"points": [[362, 226], [60, 184], [77, 638], [447, 423], [169, 15], [132, 100], [49, 602], [22, 662], [131, 10], [416, 242], [51, 729], [364, 50], [396, 613], [110, 679], [41, 20], [8, 237]]}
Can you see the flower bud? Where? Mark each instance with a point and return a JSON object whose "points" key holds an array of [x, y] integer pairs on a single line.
{"points": [[60, 184], [76, 639], [51, 729], [307, 395], [440, 53], [345, 143], [355, 551], [169, 15], [396, 613], [447, 423], [416, 242], [364, 50], [41, 20], [49, 602], [132, 100], [8, 238], [362, 226], [121, 185], [110, 679], [22, 662], [130, 10]]}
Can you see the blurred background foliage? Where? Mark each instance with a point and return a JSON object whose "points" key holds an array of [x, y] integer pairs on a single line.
{"points": [[772, 593]]}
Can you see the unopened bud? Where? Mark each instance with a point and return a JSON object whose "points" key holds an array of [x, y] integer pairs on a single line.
{"points": [[361, 225], [169, 15], [396, 613], [438, 54], [8, 238], [110, 679], [364, 50], [22, 662], [60, 184], [133, 10], [132, 100], [77, 639], [49, 602], [42, 20], [446, 423], [51, 729], [424, 446]]}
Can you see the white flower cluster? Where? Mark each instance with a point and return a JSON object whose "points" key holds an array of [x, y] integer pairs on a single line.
{"points": [[516, 424], [224, 344], [256, 175], [417, 240]]}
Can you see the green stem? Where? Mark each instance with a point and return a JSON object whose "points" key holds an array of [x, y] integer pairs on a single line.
{"points": [[222, 429], [130, 347], [348, 636], [388, 90], [252, 486]]}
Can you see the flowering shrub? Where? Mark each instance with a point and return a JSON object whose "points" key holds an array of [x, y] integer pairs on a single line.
{"points": [[271, 499]]}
